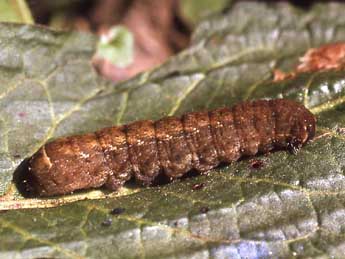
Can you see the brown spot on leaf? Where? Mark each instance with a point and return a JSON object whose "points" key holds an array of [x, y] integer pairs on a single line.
{"points": [[279, 75], [22, 114], [326, 57], [256, 164], [331, 56]]}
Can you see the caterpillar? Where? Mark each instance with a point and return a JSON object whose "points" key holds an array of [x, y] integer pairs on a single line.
{"points": [[171, 146]]}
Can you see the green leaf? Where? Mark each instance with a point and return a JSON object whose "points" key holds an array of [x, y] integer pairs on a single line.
{"points": [[292, 206], [15, 11], [116, 46], [195, 10]]}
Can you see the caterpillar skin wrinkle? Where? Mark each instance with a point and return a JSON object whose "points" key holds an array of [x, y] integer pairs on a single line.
{"points": [[172, 146]]}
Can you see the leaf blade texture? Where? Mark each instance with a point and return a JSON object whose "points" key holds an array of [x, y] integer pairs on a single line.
{"points": [[291, 206]]}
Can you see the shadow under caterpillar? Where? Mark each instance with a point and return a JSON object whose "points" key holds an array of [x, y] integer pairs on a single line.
{"points": [[172, 146]]}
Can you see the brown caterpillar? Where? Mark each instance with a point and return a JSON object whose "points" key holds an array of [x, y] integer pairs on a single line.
{"points": [[172, 146]]}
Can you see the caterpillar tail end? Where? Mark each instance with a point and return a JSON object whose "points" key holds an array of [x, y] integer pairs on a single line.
{"points": [[66, 165]]}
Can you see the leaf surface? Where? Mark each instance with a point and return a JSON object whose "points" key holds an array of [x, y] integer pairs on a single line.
{"points": [[292, 206], [15, 11]]}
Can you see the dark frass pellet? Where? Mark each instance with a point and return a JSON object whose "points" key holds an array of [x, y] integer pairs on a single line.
{"points": [[107, 222], [256, 164], [117, 211], [204, 209]]}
